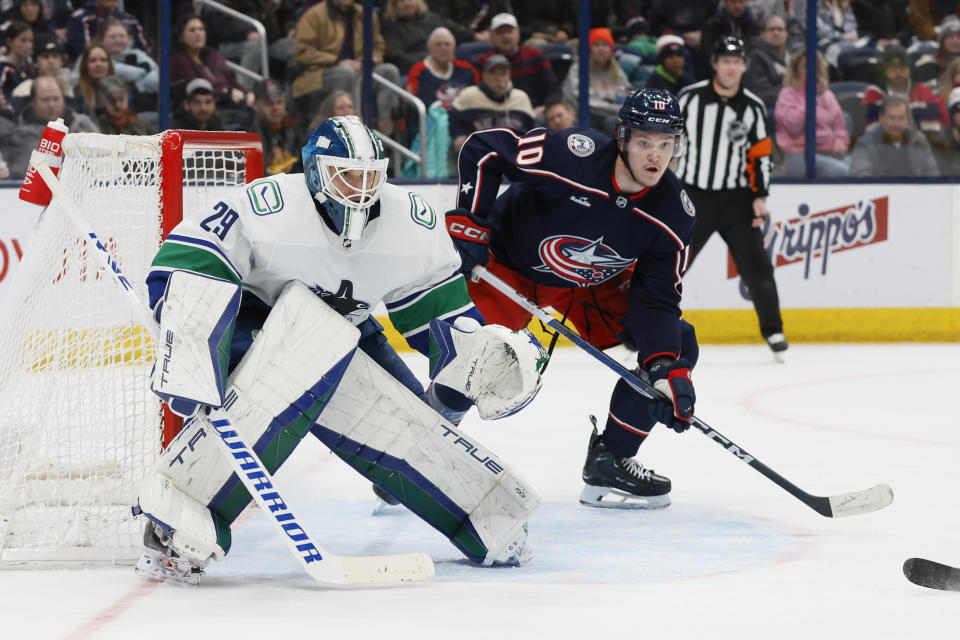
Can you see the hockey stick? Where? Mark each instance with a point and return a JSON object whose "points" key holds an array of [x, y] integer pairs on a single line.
{"points": [[932, 575], [845, 504], [317, 562]]}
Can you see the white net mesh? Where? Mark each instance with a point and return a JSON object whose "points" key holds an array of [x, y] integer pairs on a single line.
{"points": [[78, 424]]}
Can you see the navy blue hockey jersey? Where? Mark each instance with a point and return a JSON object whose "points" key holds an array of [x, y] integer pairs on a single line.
{"points": [[563, 222]]}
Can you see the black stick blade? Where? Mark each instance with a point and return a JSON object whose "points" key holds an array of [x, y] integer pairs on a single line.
{"points": [[932, 575]]}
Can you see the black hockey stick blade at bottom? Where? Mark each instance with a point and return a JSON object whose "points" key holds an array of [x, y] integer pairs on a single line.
{"points": [[932, 575]]}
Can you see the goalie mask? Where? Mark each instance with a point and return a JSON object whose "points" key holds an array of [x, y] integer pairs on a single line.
{"points": [[345, 169]]}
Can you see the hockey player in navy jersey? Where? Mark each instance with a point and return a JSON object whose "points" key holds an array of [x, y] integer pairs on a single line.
{"points": [[598, 228]]}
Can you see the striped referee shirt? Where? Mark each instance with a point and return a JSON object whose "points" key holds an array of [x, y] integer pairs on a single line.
{"points": [[727, 145]]}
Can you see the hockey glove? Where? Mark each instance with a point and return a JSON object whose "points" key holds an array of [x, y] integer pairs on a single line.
{"points": [[471, 237], [672, 379], [498, 369]]}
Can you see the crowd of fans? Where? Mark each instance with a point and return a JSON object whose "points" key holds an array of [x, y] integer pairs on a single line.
{"points": [[888, 72]]}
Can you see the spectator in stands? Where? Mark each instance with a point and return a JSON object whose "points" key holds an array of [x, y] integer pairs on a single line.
{"points": [[926, 111], [239, 42], [763, 9], [439, 72], [833, 139], [686, 18], [48, 56], [892, 147], [192, 58], [94, 65], [639, 51], [117, 117], [608, 83], [886, 22], [406, 27], [29, 11], [671, 73], [531, 72], [329, 44], [767, 61], [281, 133], [929, 65], [949, 49], [15, 66], [134, 66], [732, 18], [837, 31], [495, 102], [925, 15], [199, 109], [469, 20], [949, 80], [46, 104], [85, 22], [338, 103], [550, 21], [947, 148], [560, 115]]}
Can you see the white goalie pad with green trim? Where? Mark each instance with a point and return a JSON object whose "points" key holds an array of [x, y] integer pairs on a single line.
{"points": [[437, 470], [272, 398]]}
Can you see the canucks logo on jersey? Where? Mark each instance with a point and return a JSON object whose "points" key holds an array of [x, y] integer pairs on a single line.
{"points": [[342, 301], [581, 261]]}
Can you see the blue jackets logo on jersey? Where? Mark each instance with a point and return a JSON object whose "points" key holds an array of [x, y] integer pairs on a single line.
{"points": [[581, 261]]}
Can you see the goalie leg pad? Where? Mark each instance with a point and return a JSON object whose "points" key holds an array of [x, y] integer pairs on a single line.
{"points": [[196, 326], [497, 368], [194, 534], [437, 470], [273, 397]]}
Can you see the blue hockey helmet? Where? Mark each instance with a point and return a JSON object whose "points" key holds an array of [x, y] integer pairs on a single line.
{"points": [[345, 169], [653, 110]]}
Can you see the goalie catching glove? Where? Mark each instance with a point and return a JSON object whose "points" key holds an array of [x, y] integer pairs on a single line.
{"points": [[672, 379], [498, 369], [196, 325]]}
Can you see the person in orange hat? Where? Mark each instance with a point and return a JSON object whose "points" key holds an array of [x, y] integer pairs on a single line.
{"points": [[608, 82]]}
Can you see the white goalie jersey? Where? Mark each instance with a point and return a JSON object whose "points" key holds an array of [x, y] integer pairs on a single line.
{"points": [[270, 233]]}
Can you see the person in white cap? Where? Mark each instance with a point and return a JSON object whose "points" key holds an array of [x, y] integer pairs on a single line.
{"points": [[529, 70]]}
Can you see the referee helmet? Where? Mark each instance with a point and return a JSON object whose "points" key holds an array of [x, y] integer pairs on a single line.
{"points": [[729, 46]]}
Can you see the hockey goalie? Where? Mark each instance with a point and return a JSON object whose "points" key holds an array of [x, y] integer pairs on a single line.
{"points": [[264, 303]]}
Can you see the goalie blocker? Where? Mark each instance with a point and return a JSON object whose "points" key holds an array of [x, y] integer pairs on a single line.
{"points": [[304, 374]]}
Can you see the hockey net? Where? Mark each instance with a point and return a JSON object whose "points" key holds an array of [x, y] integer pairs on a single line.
{"points": [[78, 424]]}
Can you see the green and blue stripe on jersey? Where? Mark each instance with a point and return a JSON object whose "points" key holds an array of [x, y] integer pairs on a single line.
{"points": [[447, 300], [183, 253]]}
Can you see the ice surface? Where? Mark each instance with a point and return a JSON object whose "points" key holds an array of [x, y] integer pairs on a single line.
{"points": [[734, 556]]}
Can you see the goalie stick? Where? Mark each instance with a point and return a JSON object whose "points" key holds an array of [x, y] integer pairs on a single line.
{"points": [[932, 575], [845, 504], [319, 564]]}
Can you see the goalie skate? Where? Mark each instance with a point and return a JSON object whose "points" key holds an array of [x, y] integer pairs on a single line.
{"points": [[620, 483], [160, 563]]}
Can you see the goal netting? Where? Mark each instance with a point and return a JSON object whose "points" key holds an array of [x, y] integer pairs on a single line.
{"points": [[78, 424]]}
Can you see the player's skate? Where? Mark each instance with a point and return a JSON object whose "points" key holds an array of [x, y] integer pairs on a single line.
{"points": [[160, 562], [515, 553], [778, 344], [384, 501], [620, 483]]}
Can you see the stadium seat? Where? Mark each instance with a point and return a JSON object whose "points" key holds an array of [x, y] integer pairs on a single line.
{"points": [[560, 57], [470, 51]]}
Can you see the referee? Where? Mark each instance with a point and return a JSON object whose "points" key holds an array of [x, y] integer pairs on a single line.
{"points": [[725, 169]]}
